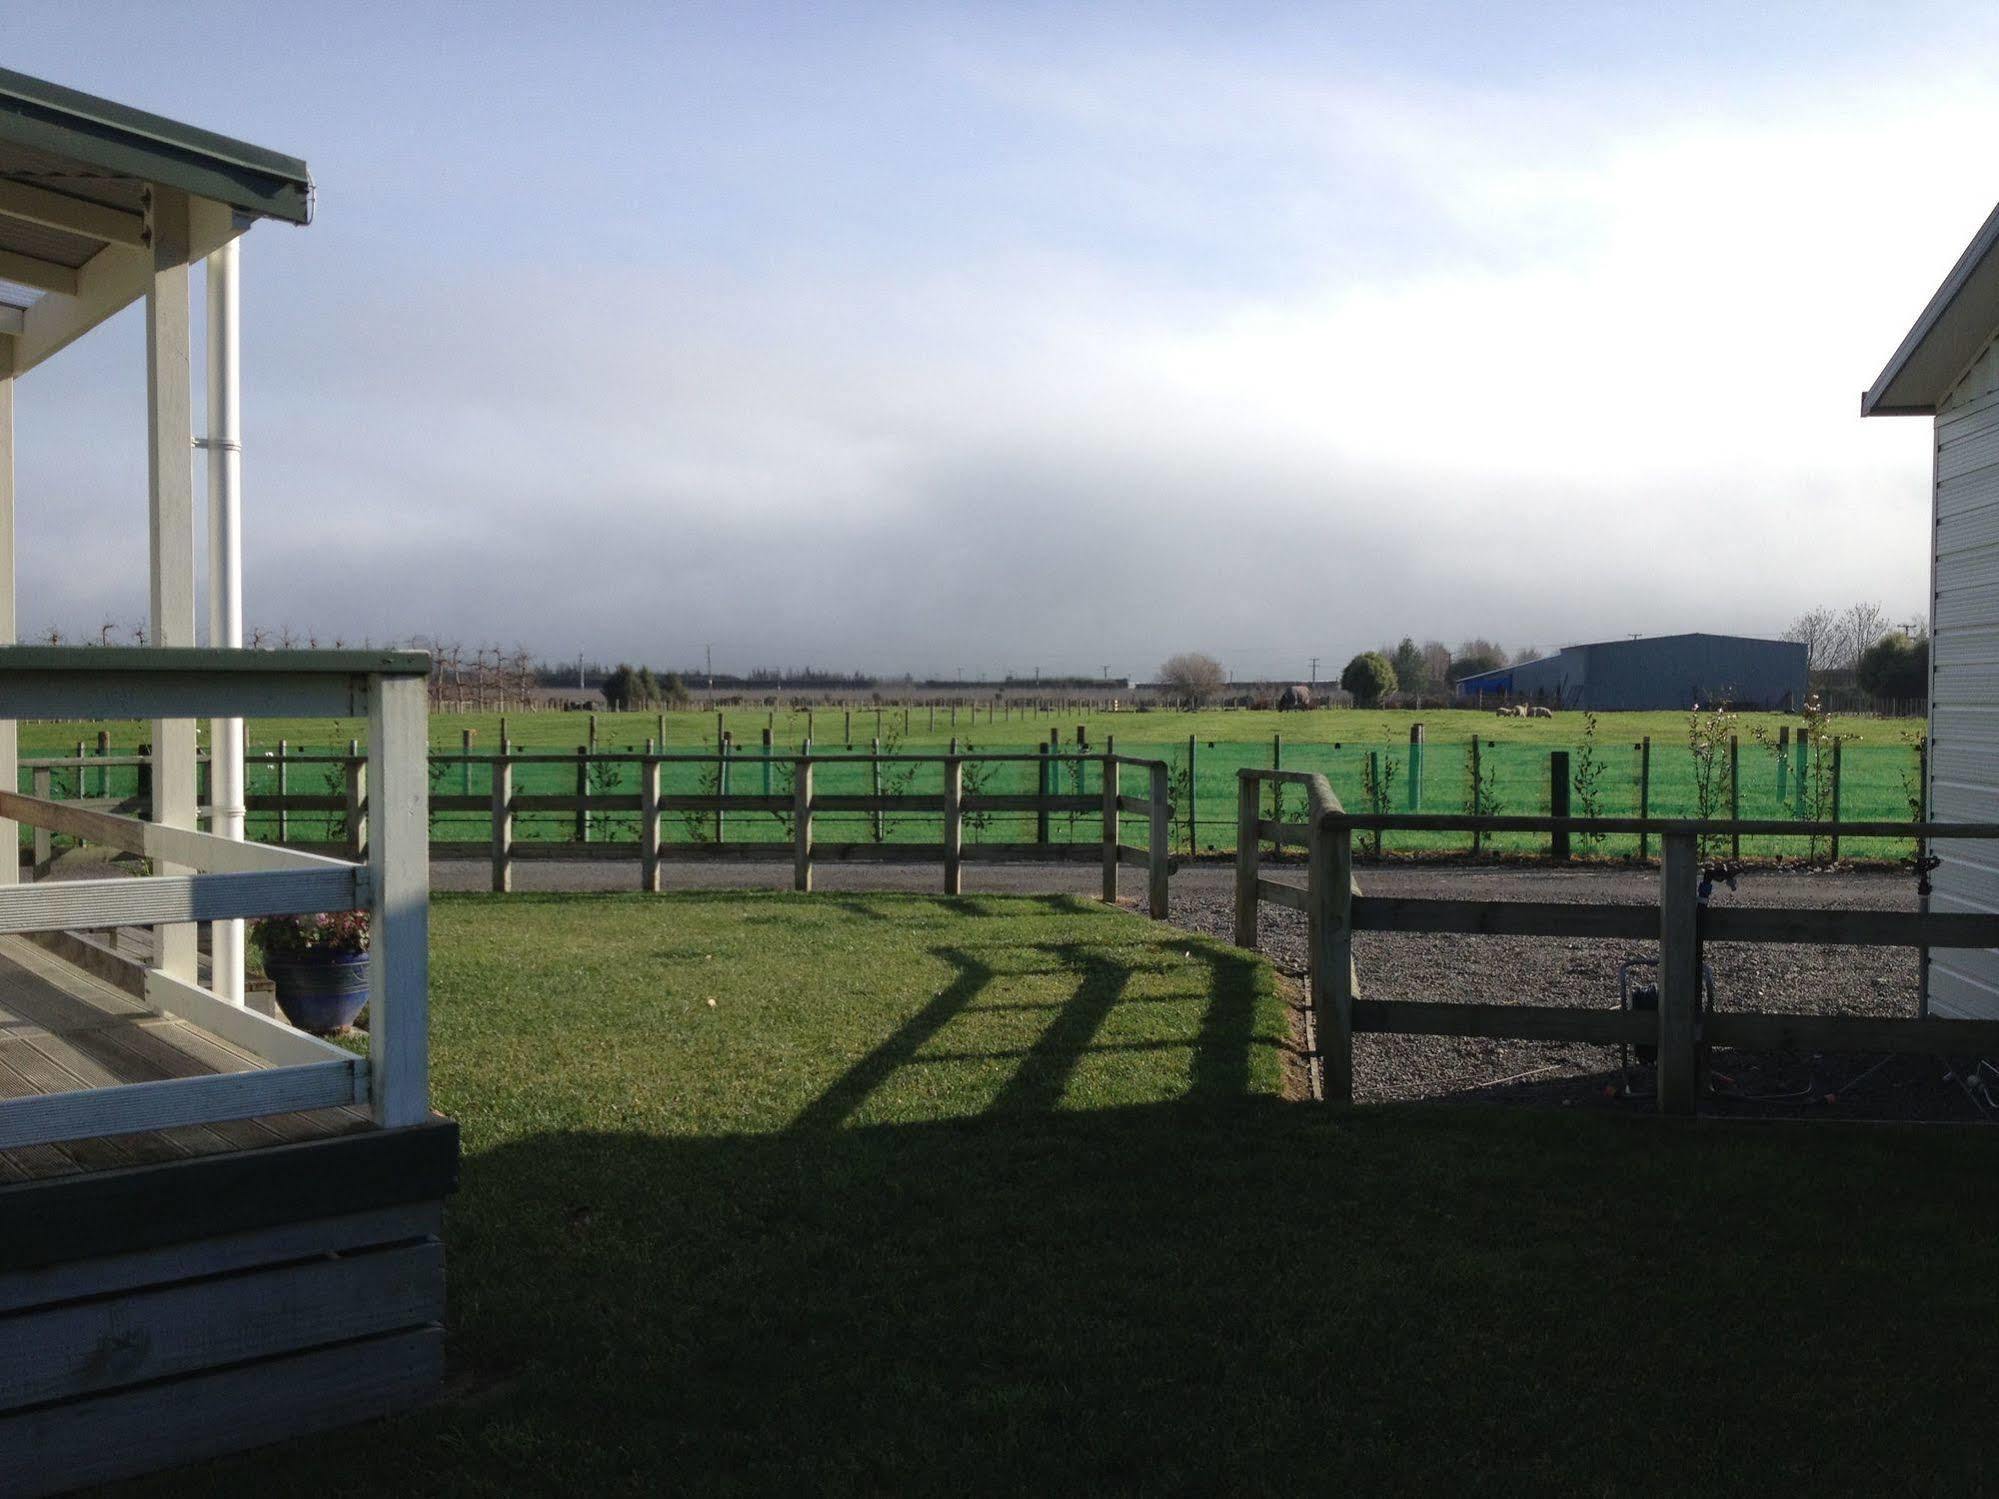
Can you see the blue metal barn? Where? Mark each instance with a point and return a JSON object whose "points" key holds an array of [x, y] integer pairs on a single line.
{"points": [[1660, 671]]}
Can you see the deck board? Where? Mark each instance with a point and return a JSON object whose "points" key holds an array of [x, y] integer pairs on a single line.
{"points": [[63, 1029]]}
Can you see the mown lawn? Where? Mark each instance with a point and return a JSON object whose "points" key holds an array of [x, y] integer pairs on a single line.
{"points": [[1002, 1195]]}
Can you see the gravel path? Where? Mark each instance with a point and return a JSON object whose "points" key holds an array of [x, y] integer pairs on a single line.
{"points": [[1760, 976]]}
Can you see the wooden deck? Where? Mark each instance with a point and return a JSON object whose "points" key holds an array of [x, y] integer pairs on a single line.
{"points": [[176, 1294], [63, 1029]]}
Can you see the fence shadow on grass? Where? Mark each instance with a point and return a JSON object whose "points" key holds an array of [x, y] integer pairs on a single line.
{"points": [[1218, 1046]]}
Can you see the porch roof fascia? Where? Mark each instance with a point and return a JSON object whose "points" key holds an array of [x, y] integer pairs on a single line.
{"points": [[151, 148], [72, 660], [1958, 322]]}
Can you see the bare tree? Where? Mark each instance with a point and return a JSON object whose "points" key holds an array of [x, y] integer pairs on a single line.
{"points": [[1193, 677], [1818, 631], [1860, 627]]}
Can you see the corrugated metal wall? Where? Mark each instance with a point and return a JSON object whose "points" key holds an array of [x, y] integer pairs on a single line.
{"points": [[1964, 679], [1685, 671]]}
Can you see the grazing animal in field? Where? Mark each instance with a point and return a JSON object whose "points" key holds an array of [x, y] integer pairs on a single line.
{"points": [[1542, 713], [1296, 696]]}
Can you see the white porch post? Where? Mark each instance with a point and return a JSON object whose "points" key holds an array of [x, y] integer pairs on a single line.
{"points": [[10, 743], [399, 875], [225, 583], [170, 529]]}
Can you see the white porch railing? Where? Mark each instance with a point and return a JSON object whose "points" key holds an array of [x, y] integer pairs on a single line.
{"points": [[226, 880]]}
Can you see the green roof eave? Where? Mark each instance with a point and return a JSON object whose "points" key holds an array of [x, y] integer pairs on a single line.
{"points": [[85, 659], [132, 143]]}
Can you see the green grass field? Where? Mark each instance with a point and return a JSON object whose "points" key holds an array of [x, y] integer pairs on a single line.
{"points": [[1878, 774], [901, 1195]]}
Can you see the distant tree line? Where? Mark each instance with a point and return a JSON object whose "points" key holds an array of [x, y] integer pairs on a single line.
{"points": [[1432, 668]]}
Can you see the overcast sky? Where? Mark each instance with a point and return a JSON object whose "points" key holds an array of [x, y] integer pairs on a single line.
{"points": [[995, 337]]}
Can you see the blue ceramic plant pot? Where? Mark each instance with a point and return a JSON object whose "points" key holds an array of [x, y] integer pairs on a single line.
{"points": [[321, 995]]}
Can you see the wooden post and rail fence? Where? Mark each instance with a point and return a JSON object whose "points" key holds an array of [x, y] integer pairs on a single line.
{"points": [[1681, 924], [797, 808]]}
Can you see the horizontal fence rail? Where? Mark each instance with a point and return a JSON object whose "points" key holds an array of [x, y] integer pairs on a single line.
{"points": [[1682, 923], [785, 817]]}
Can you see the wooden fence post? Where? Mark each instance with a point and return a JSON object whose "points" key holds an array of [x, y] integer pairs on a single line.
{"points": [[582, 828], [1735, 792], [1158, 841], [1329, 919], [357, 802], [1110, 825], [723, 747], [1247, 854], [1558, 803], [801, 825], [465, 738], [44, 840], [1679, 970], [1836, 743], [104, 771], [1645, 793], [1783, 764], [1477, 796], [649, 825], [875, 784], [1193, 796], [1041, 795], [954, 825], [284, 790], [503, 825], [1416, 745]]}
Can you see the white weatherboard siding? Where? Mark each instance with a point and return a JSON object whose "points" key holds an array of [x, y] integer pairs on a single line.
{"points": [[1964, 679]]}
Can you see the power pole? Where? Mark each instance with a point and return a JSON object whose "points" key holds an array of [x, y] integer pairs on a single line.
{"points": [[1315, 671], [709, 651]]}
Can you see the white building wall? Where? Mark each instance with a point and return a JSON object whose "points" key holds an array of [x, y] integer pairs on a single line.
{"points": [[1964, 679]]}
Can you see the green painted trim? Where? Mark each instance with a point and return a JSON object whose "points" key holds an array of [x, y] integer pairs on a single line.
{"points": [[75, 659], [130, 142]]}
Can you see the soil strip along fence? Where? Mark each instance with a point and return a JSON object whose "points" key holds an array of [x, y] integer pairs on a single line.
{"points": [[1682, 923]]}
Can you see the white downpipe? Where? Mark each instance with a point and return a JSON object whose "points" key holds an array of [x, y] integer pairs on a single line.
{"points": [[224, 444]]}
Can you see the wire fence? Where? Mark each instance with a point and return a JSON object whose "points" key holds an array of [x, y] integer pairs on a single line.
{"points": [[1607, 778]]}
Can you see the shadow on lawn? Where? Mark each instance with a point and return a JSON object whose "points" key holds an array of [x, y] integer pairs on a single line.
{"points": [[1219, 1068], [1207, 1296]]}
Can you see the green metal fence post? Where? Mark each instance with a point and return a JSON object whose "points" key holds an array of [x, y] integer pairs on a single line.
{"points": [[1415, 767]]}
